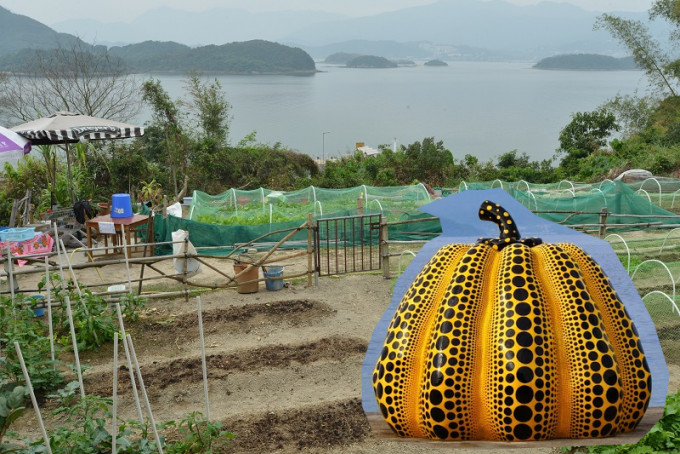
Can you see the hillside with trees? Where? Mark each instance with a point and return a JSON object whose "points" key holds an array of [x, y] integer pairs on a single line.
{"points": [[23, 41], [250, 57], [19, 33]]}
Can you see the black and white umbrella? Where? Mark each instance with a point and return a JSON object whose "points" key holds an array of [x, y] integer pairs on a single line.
{"points": [[68, 127]]}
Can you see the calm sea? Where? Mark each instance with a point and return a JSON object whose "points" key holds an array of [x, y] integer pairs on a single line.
{"points": [[479, 108]]}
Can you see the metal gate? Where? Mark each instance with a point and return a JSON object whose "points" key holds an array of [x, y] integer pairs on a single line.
{"points": [[347, 245]]}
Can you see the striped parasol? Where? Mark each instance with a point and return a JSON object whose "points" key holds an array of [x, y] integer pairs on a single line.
{"points": [[68, 127]]}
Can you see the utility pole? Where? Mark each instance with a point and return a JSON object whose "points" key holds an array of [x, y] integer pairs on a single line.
{"points": [[323, 147]]}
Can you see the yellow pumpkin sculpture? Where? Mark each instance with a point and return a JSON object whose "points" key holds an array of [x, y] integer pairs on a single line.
{"points": [[511, 339]]}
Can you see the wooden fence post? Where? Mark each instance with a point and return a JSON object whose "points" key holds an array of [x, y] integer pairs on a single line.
{"points": [[385, 249], [603, 222]]}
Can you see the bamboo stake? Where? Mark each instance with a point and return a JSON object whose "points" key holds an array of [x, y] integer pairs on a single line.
{"points": [[61, 265], [33, 399], [73, 275], [69, 313], [205, 370], [128, 357], [146, 398], [75, 282], [114, 422], [49, 311], [11, 275], [127, 263]]}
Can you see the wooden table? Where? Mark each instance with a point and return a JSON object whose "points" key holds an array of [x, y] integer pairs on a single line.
{"points": [[123, 226]]}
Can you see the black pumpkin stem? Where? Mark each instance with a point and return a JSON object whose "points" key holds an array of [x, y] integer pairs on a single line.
{"points": [[509, 234]]}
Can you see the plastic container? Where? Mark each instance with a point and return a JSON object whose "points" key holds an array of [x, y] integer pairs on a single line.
{"points": [[17, 234], [118, 288], [251, 275], [38, 303], [121, 206], [273, 277]]}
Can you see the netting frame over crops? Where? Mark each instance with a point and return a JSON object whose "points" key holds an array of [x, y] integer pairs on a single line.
{"points": [[651, 201], [267, 206], [238, 216]]}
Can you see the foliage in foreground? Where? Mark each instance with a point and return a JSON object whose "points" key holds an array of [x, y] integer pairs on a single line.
{"points": [[87, 427], [89, 421], [664, 436]]}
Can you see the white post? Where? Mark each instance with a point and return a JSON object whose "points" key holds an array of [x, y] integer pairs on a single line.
{"points": [[205, 370], [33, 399]]}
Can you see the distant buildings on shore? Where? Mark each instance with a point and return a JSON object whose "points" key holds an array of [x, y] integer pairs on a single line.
{"points": [[359, 146]]}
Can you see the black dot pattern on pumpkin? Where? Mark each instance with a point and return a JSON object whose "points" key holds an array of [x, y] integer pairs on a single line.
{"points": [[585, 350], [447, 413], [520, 379], [398, 370], [527, 341], [635, 375]]}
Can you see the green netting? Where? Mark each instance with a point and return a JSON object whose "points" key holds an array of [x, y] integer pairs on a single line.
{"points": [[575, 204], [264, 206], [236, 217]]}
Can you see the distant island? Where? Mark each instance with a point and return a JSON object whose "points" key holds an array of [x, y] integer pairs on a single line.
{"points": [[436, 62], [249, 57], [587, 62], [404, 62], [370, 61], [340, 58]]}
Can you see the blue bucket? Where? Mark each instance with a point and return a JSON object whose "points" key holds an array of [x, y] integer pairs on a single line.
{"points": [[38, 303], [121, 206], [273, 277]]}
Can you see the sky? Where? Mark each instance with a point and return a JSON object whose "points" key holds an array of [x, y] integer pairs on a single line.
{"points": [[50, 11]]}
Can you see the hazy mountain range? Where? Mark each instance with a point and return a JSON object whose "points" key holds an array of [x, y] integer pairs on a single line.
{"points": [[494, 27], [447, 29]]}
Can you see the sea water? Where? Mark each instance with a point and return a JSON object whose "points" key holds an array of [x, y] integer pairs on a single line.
{"points": [[479, 108]]}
